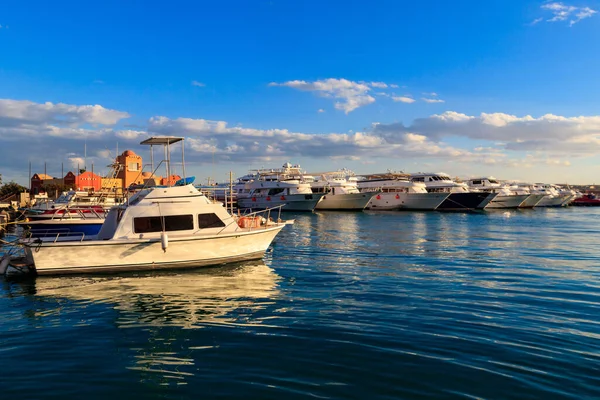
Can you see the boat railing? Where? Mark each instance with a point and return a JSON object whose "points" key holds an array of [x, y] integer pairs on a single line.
{"points": [[80, 213], [55, 233], [266, 214]]}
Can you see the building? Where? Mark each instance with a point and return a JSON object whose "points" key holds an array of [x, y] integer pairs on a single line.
{"points": [[130, 168], [37, 181], [69, 180], [112, 183], [88, 181]]}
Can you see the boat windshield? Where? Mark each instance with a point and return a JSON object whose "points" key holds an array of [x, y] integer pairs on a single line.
{"points": [[65, 197]]}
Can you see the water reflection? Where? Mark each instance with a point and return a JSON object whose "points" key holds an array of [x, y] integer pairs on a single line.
{"points": [[187, 299], [157, 314]]}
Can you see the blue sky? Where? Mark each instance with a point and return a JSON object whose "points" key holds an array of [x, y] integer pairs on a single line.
{"points": [[505, 88]]}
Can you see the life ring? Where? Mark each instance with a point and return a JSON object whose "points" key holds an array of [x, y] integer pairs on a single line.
{"points": [[282, 197], [268, 198], [378, 197], [254, 199], [397, 196]]}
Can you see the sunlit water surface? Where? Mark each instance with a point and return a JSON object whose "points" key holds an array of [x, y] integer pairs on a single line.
{"points": [[344, 305]]}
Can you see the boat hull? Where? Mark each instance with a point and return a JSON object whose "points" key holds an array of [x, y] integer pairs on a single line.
{"points": [[74, 257], [487, 200], [531, 201], [294, 202], [344, 202], [503, 202], [406, 201], [550, 201], [463, 201]]}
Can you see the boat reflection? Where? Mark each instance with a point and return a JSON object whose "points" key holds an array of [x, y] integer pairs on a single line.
{"points": [[187, 299]]}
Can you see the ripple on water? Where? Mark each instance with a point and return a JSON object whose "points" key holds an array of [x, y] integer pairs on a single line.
{"points": [[346, 305]]}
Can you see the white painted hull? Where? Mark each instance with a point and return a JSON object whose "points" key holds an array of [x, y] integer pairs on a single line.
{"points": [[504, 202], [345, 201], [406, 201], [293, 202], [147, 254], [487, 201], [549, 201], [532, 201], [568, 199]]}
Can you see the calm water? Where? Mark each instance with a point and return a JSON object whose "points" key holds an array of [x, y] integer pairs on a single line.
{"points": [[346, 305]]}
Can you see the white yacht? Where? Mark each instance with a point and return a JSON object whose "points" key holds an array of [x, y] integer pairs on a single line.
{"points": [[531, 201], [460, 198], [552, 197], [341, 192], [288, 187], [506, 198], [241, 189], [158, 228], [398, 193]]}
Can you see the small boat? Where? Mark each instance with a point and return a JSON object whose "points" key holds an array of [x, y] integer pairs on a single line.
{"points": [[159, 228], [587, 200]]}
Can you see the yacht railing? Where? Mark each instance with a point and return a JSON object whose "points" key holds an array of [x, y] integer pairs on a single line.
{"points": [[66, 213]]}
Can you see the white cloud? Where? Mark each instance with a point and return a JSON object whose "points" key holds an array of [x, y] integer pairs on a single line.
{"points": [[536, 21], [394, 86], [379, 85], [549, 133], [28, 112], [431, 94], [564, 12], [129, 134], [320, 110], [199, 84], [210, 140], [426, 100], [352, 95], [403, 99]]}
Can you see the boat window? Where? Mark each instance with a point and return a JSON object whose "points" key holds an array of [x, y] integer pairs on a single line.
{"points": [[171, 223], [275, 191], [209, 221], [493, 181], [477, 182], [418, 179]]}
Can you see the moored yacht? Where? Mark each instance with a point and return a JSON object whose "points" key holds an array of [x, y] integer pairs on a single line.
{"points": [[158, 228], [506, 198], [552, 197], [341, 192], [460, 197], [398, 193], [288, 187]]}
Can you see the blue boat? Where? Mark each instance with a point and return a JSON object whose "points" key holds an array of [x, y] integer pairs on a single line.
{"points": [[64, 227]]}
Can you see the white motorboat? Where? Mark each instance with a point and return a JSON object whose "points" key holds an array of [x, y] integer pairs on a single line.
{"points": [[288, 187], [506, 198], [341, 192], [398, 193], [461, 198], [159, 228]]}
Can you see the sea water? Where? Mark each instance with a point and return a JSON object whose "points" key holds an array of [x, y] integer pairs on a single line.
{"points": [[358, 305]]}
